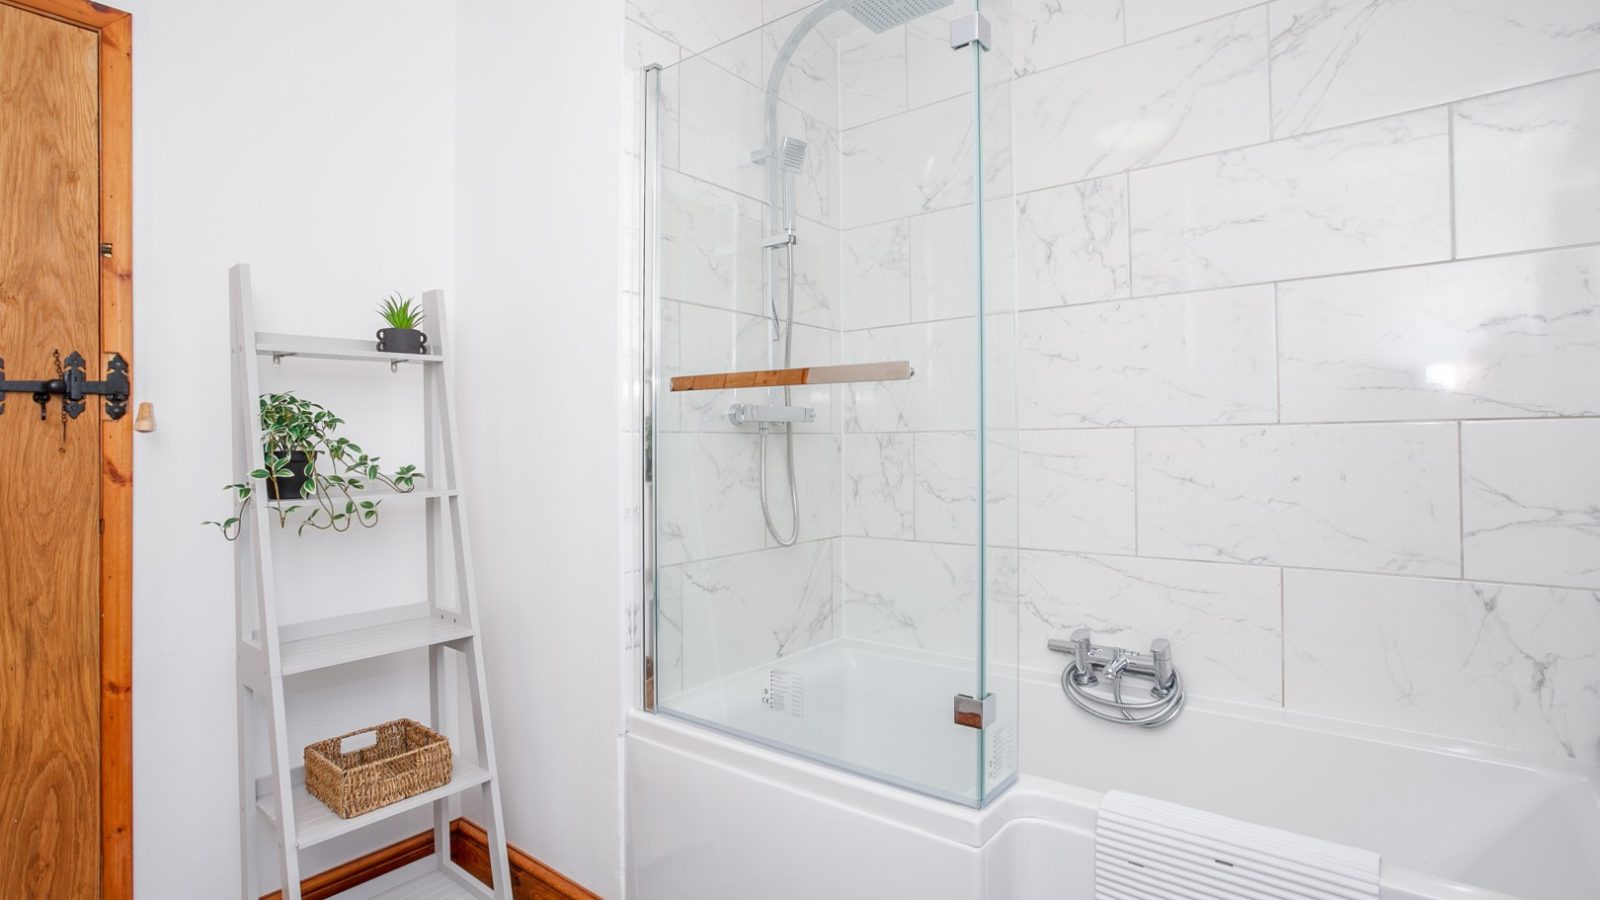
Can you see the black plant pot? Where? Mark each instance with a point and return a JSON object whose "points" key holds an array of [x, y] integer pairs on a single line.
{"points": [[402, 340], [293, 485]]}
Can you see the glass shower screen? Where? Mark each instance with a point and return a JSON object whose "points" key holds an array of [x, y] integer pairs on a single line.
{"points": [[831, 473]]}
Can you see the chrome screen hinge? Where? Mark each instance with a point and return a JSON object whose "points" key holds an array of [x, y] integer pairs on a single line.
{"points": [[972, 28], [974, 713]]}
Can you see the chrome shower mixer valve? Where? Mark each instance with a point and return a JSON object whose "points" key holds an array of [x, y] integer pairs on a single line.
{"points": [[1092, 665]]}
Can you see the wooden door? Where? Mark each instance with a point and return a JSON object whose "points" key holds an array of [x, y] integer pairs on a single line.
{"points": [[50, 751]]}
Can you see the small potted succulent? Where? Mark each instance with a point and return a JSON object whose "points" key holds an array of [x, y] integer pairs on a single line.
{"points": [[303, 460], [404, 334]]}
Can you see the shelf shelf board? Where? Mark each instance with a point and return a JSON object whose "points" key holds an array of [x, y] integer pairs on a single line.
{"points": [[315, 822], [849, 373], [307, 346], [358, 496], [433, 885], [321, 651]]}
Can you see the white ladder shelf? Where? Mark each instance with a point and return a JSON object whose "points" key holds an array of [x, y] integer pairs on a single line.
{"points": [[269, 653]]}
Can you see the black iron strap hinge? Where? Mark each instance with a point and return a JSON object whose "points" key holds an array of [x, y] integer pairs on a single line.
{"points": [[72, 386]]}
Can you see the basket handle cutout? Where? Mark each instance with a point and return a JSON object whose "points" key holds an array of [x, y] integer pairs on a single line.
{"points": [[361, 740]]}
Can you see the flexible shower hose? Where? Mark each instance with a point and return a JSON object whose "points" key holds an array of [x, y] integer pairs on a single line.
{"points": [[788, 431], [1149, 714]]}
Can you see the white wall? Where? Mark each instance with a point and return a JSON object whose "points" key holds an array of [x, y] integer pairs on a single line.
{"points": [[537, 313], [316, 142]]}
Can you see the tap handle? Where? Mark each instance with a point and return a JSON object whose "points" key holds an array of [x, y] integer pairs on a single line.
{"points": [[1161, 654]]}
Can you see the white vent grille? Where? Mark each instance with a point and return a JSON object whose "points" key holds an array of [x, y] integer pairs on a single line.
{"points": [[882, 15], [1146, 848]]}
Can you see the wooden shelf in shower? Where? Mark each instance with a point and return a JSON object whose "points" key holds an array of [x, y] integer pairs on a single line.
{"points": [[899, 370]]}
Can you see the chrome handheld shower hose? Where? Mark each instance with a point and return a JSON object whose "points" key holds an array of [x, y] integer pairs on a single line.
{"points": [[788, 433], [1149, 714]]}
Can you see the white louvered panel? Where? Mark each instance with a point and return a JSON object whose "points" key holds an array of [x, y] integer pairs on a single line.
{"points": [[1149, 849]]}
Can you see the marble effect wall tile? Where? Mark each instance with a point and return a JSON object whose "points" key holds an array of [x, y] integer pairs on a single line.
{"points": [[941, 397], [1196, 91], [699, 25], [818, 293], [1192, 359], [1364, 197], [908, 164], [1223, 619], [1531, 501], [707, 503], [1341, 61], [753, 608], [1505, 337], [811, 80], [1076, 490], [876, 275], [911, 594], [669, 660], [720, 123], [710, 245], [1514, 666], [933, 71], [1525, 168], [1374, 498], [944, 264], [1147, 18], [872, 76], [1072, 244], [947, 488], [877, 493], [1048, 33], [817, 480]]}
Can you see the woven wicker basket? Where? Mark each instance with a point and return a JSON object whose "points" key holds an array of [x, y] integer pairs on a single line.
{"points": [[407, 759]]}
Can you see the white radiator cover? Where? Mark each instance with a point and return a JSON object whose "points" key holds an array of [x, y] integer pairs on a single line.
{"points": [[1148, 849]]}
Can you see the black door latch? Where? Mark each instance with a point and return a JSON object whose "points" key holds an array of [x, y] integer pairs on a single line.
{"points": [[72, 386]]}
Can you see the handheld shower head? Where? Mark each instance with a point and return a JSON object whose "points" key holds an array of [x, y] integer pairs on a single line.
{"points": [[792, 153], [882, 15]]}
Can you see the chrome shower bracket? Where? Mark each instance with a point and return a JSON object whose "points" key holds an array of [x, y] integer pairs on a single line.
{"points": [[972, 28]]}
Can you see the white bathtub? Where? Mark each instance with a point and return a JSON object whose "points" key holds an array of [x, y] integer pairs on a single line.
{"points": [[712, 816]]}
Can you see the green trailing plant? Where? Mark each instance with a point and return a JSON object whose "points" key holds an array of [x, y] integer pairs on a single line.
{"points": [[337, 470], [401, 313]]}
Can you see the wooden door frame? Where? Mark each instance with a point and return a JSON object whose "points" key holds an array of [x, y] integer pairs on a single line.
{"points": [[115, 30]]}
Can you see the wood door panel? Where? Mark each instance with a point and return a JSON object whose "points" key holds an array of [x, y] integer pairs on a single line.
{"points": [[50, 470]]}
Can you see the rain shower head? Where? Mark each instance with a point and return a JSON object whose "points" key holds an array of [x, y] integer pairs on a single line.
{"points": [[882, 15]]}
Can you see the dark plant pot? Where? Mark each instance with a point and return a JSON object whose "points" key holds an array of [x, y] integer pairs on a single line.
{"points": [[402, 340], [293, 485]]}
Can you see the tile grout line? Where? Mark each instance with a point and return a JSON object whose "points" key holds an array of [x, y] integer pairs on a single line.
{"points": [[1277, 348], [1450, 146], [1186, 292], [1461, 495]]}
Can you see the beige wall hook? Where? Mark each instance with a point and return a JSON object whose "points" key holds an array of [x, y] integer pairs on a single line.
{"points": [[144, 421]]}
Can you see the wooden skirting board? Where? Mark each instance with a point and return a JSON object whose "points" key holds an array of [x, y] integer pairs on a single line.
{"points": [[469, 849]]}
